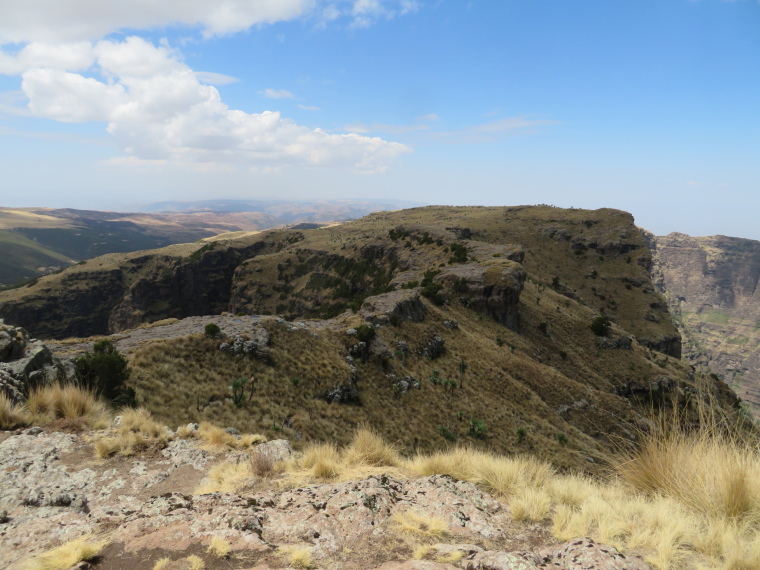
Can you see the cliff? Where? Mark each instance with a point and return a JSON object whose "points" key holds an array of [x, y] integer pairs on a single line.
{"points": [[711, 286]]}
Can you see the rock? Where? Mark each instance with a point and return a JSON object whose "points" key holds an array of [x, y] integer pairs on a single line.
{"points": [[256, 347], [275, 450], [613, 342], [585, 554], [499, 561], [492, 288], [434, 348], [416, 565], [26, 363], [393, 307]]}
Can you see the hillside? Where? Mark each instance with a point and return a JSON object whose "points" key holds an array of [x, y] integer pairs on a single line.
{"points": [[711, 285], [444, 324], [37, 241]]}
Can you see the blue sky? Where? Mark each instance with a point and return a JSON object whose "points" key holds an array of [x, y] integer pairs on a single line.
{"points": [[649, 106]]}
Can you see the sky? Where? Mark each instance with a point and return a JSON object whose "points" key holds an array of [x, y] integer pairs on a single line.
{"points": [[648, 106]]}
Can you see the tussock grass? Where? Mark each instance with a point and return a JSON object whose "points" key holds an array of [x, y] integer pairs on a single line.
{"points": [[12, 416], [162, 563], [297, 556], [58, 401], [219, 547], [215, 438], [367, 454], [138, 432], [68, 554], [226, 477], [196, 563], [420, 525]]}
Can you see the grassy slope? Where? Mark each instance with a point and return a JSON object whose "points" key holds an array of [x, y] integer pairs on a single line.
{"points": [[546, 380], [22, 256]]}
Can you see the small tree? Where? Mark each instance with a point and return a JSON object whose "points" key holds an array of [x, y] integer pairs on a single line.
{"points": [[104, 370], [212, 330], [478, 428], [601, 326]]}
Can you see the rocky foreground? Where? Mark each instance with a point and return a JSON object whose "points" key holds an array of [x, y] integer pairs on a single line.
{"points": [[53, 490]]}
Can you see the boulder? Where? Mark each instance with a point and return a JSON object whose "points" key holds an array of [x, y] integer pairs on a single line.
{"points": [[26, 363], [492, 288], [393, 307]]}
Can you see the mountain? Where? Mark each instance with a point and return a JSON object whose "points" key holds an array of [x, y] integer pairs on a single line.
{"points": [[711, 286], [36, 241], [520, 329]]}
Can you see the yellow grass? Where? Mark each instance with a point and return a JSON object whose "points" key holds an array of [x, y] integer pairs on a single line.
{"points": [[297, 556], [420, 525], [138, 432], [219, 547], [196, 563], [215, 437], [68, 554], [11, 415], [57, 402], [226, 477], [162, 563]]}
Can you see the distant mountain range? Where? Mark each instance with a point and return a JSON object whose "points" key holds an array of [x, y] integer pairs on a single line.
{"points": [[36, 241]]}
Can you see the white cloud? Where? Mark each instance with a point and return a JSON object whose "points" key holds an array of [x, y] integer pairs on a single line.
{"points": [[276, 94], [211, 78], [158, 110], [486, 132], [308, 108], [56, 20], [155, 106]]}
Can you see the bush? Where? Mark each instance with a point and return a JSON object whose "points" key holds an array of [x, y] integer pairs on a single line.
{"points": [[447, 434], [478, 428], [601, 326], [212, 330], [365, 333], [104, 370]]}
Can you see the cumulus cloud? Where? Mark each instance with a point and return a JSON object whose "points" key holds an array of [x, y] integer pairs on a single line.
{"points": [[157, 110], [154, 105]]}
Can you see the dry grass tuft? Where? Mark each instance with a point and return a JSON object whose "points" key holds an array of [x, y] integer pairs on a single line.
{"points": [[11, 415], [216, 438], [226, 477], [298, 556], [138, 432], [368, 448], [219, 547], [68, 554], [420, 525], [162, 563], [55, 402], [196, 563]]}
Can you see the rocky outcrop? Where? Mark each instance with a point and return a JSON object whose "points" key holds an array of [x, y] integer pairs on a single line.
{"points": [[393, 307], [711, 287], [492, 288], [26, 363], [51, 493]]}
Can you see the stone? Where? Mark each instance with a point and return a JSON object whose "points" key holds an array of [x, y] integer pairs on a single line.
{"points": [[494, 560], [393, 307]]}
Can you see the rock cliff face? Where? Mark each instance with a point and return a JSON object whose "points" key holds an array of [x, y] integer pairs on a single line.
{"points": [[711, 286], [26, 363]]}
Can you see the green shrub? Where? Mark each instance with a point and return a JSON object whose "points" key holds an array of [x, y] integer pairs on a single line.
{"points": [[104, 370], [562, 439], [212, 330], [601, 326], [447, 434], [238, 391], [365, 333], [521, 434], [478, 428]]}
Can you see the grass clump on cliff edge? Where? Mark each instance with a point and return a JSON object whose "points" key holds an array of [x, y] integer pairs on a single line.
{"points": [[12, 415], [367, 454], [137, 432], [57, 402], [68, 554]]}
